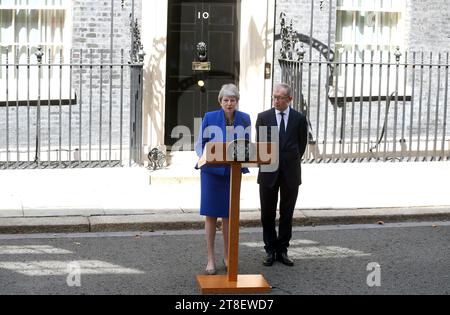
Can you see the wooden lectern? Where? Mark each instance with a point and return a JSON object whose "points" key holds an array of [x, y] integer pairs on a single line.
{"points": [[237, 155]]}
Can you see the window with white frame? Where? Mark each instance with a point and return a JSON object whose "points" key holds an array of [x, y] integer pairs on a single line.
{"points": [[369, 30], [26, 25]]}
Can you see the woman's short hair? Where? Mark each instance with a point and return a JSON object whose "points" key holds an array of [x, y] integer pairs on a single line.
{"points": [[229, 90]]}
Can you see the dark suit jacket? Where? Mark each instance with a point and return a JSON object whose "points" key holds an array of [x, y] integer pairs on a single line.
{"points": [[291, 152]]}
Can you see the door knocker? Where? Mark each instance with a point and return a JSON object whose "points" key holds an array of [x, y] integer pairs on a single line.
{"points": [[202, 52], [201, 64]]}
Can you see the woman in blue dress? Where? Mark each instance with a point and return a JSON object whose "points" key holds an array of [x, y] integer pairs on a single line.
{"points": [[224, 125]]}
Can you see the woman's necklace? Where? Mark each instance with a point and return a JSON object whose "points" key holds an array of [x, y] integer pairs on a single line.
{"points": [[230, 121]]}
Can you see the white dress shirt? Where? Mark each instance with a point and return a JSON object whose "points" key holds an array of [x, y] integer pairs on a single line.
{"points": [[286, 117]]}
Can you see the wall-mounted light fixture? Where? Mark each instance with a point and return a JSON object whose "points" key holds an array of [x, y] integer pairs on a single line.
{"points": [[268, 71]]}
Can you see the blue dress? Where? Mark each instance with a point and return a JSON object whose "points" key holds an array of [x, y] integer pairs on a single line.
{"points": [[215, 181]]}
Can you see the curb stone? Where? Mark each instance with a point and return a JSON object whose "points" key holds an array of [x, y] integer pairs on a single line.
{"points": [[192, 221]]}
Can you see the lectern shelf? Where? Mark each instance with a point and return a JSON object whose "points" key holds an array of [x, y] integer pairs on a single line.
{"points": [[217, 153]]}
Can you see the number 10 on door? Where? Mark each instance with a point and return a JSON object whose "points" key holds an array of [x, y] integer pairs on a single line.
{"points": [[203, 15]]}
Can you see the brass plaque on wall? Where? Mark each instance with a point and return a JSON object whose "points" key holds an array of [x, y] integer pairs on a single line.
{"points": [[201, 66]]}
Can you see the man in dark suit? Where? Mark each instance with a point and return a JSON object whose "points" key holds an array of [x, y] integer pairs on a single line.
{"points": [[292, 135]]}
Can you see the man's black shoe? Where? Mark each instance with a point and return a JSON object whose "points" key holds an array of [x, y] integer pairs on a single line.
{"points": [[269, 260], [285, 260]]}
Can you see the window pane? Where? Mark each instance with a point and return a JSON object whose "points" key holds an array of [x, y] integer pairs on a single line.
{"points": [[33, 27], [7, 27], [361, 27], [20, 26], [365, 27], [345, 27], [29, 24], [34, 3]]}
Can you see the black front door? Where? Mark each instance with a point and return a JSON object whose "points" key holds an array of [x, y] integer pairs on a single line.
{"points": [[193, 90]]}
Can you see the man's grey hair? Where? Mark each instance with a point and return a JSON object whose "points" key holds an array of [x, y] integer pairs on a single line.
{"points": [[229, 90], [285, 87]]}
